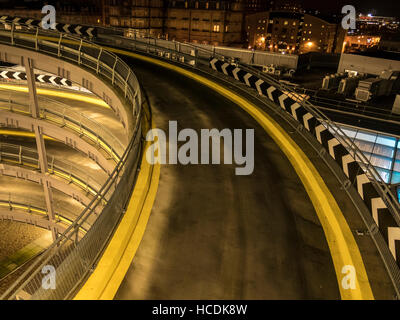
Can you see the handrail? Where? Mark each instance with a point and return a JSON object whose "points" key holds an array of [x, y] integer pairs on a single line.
{"points": [[73, 258], [82, 52], [7, 201], [380, 185], [150, 48], [79, 123], [20, 155]]}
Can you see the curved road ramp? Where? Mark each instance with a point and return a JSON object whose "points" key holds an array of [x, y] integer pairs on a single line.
{"points": [[178, 173]]}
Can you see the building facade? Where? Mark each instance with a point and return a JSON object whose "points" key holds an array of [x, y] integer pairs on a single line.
{"points": [[293, 32], [68, 11], [200, 21]]}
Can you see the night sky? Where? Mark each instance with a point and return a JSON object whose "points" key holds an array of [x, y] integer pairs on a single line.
{"points": [[382, 7]]}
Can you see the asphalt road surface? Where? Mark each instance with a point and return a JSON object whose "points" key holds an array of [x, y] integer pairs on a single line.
{"points": [[215, 235]]}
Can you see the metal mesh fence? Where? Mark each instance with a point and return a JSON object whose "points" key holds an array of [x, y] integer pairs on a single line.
{"points": [[71, 257]]}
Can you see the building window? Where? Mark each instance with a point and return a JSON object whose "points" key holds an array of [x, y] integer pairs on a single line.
{"points": [[285, 23], [216, 28]]}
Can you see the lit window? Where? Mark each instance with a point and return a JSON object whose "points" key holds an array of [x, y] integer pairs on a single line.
{"points": [[216, 28], [285, 23]]}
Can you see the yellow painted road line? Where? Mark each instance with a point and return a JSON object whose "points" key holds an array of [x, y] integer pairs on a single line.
{"points": [[58, 93], [113, 265], [25, 134], [342, 245]]}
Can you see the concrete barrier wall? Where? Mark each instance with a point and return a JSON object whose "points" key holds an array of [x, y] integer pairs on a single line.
{"points": [[364, 64]]}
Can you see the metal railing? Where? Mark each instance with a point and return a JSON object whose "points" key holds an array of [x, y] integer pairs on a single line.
{"points": [[201, 59], [182, 54], [63, 116], [34, 209], [104, 64], [74, 258], [196, 57], [26, 157]]}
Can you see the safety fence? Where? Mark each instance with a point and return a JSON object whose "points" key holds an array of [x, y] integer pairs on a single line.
{"points": [[85, 54], [72, 258], [376, 194], [18, 207], [63, 116], [384, 219], [17, 155]]}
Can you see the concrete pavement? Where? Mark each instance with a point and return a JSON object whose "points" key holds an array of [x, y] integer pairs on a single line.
{"points": [[214, 235]]}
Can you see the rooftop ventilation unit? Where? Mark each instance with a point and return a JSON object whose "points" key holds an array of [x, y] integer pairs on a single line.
{"points": [[332, 81]]}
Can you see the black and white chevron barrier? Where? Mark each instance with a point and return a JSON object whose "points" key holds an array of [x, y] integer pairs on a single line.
{"points": [[79, 30], [16, 75], [381, 214]]}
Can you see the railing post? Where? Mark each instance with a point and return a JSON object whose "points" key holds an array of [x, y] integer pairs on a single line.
{"points": [[98, 60], [12, 33], [52, 164], [59, 45], [126, 81], [37, 40], [79, 52], [113, 72]]}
